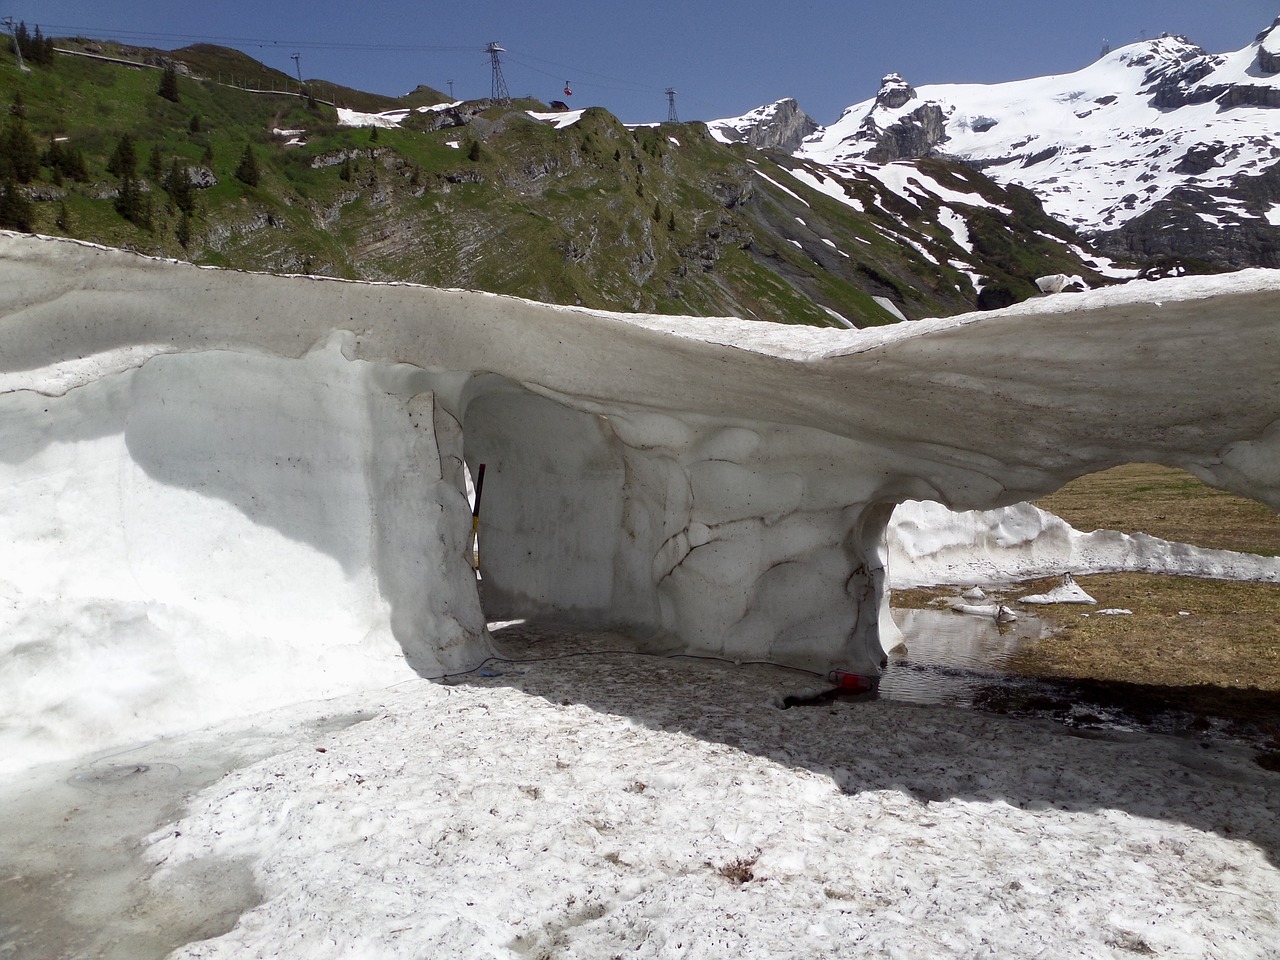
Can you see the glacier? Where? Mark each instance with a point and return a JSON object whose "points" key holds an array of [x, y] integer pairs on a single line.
{"points": [[226, 491]]}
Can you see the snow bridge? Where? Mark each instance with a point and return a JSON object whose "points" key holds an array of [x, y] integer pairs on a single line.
{"points": [[220, 491]]}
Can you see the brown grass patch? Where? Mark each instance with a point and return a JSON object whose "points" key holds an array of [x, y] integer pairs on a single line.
{"points": [[1167, 503], [1230, 638]]}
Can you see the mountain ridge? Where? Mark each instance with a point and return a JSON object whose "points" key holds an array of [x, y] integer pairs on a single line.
{"points": [[1157, 149], [565, 207]]}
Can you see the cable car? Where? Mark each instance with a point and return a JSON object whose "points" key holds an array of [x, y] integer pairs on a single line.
{"points": [[567, 91]]}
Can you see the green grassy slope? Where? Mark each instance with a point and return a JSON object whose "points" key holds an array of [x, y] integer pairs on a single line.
{"points": [[660, 219]]}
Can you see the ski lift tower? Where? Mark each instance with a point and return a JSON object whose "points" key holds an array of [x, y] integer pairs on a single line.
{"points": [[13, 32], [498, 88], [672, 116]]}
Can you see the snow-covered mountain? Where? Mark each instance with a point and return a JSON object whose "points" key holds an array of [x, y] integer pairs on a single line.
{"points": [[1157, 148]]}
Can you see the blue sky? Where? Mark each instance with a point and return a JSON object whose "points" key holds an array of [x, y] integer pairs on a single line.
{"points": [[724, 58]]}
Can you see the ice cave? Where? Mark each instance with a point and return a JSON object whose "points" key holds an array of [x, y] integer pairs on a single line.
{"points": [[222, 490]]}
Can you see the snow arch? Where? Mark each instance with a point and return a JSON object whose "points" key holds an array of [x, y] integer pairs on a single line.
{"points": [[719, 484]]}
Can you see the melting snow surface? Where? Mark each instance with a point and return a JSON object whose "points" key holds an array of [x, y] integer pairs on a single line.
{"points": [[615, 805]]}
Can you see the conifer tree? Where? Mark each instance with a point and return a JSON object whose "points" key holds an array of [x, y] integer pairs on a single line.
{"points": [[19, 155], [15, 209], [247, 170], [124, 160], [18, 108], [65, 160], [155, 164], [41, 48], [169, 83], [178, 185]]}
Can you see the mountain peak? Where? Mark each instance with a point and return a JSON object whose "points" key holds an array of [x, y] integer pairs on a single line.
{"points": [[894, 92]]}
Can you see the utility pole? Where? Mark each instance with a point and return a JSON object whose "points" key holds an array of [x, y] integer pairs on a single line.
{"points": [[498, 88], [13, 32], [672, 116], [297, 63]]}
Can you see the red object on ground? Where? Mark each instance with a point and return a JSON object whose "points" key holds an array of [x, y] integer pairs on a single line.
{"points": [[852, 682]]}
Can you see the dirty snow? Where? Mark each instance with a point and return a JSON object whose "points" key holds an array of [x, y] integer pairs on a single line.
{"points": [[612, 805]]}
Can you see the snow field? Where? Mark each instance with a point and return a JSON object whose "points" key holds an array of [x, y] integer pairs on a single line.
{"points": [[604, 806], [1091, 143]]}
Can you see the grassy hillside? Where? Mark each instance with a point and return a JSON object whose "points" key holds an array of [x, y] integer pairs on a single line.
{"points": [[660, 219]]}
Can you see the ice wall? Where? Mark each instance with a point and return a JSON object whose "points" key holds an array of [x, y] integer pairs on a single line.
{"points": [[221, 488], [217, 533]]}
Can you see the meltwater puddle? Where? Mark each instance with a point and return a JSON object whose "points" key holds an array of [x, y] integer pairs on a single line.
{"points": [[75, 879], [966, 661]]}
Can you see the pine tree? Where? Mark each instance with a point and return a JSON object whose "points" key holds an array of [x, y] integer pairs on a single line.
{"points": [[41, 48], [124, 160], [65, 160], [15, 209], [247, 170], [63, 220], [473, 153], [194, 124], [183, 231], [207, 157], [178, 185], [344, 172], [19, 155], [169, 83], [18, 108], [373, 134], [155, 164]]}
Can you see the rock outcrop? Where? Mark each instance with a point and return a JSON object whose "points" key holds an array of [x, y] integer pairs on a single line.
{"points": [[779, 126]]}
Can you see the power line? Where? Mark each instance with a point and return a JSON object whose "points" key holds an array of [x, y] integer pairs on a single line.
{"points": [[112, 32]]}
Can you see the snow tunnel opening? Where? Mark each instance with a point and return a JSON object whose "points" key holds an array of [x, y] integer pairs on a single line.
{"points": [[1169, 503], [549, 542]]}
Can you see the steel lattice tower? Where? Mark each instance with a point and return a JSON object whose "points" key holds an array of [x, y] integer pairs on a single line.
{"points": [[672, 116], [498, 89]]}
